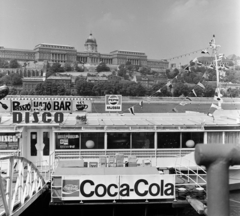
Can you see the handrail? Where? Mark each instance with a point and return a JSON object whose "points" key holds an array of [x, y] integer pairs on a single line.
{"points": [[29, 182], [178, 170], [25, 160]]}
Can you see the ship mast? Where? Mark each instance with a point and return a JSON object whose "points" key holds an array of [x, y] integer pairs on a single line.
{"points": [[214, 48]]}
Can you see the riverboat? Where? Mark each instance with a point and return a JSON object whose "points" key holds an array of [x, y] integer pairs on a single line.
{"points": [[112, 157]]}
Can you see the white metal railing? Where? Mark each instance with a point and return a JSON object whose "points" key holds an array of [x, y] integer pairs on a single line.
{"points": [[44, 168], [141, 153], [183, 164], [21, 182]]}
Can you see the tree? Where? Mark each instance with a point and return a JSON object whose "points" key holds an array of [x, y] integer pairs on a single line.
{"points": [[144, 70], [132, 89], [68, 67], [6, 79], [50, 88], [16, 79], [122, 72], [32, 92], [198, 90], [4, 63], [80, 69], [23, 92], [2, 74], [84, 88], [13, 91], [56, 67], [102, 67], [14, 64], [39, 89], [179, 89], [209, 90], [171, 74]]}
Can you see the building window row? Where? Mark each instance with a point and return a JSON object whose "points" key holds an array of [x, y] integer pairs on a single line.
{"points": [[61, 47]]}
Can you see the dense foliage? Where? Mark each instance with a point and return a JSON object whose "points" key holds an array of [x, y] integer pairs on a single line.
{"points": [[102, 67], [12, 79], [125, 88], [51, 88]]}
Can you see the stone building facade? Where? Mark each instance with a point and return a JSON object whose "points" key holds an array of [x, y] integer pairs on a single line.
{"points": [[64, 53], [30, 83]]}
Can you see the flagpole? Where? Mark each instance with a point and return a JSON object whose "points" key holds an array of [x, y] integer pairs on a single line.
{"points": [[216, 64]]}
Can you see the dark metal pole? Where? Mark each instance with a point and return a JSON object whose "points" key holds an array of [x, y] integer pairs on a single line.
{"points": [[217, 158]]}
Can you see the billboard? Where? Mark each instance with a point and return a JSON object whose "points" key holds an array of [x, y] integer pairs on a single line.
{"points": [[8, 141], [46, 105], [113, 103], [118, 187]]}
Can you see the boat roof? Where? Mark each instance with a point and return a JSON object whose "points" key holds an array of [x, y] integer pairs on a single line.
{"points": [[72, 168], [188, 120]]}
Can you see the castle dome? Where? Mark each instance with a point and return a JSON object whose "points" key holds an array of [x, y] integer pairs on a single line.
{"points": [[91, 39], [91, 44]]}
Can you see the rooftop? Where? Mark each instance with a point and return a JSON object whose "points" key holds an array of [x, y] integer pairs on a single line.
{"points": [[54, 45], [158, 121], [32, 79], [59, 78]]}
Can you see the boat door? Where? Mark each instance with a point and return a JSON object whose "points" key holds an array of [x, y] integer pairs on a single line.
{"points": [[38, 145]]}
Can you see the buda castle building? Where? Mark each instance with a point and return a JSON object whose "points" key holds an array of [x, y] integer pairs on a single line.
{"points": [[64, 53]]}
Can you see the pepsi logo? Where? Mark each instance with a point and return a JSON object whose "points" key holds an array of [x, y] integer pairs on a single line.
{"points": [[113, 100]]}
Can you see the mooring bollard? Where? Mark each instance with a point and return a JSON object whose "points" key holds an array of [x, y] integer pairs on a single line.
{"points": [[217, 158]]}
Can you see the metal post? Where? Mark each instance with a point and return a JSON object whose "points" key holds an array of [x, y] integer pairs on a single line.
{"points": [[217, 158]]}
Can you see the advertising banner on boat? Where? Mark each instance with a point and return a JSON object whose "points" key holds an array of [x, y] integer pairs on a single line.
{"points": [[113, 103], [41, 105], [46, 105], [21, 105], [70, 188], [8, 141], [81, 106], [119, 187], [147, 187]]}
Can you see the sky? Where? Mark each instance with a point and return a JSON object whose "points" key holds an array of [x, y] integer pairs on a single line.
{"points": [[163, 29]]}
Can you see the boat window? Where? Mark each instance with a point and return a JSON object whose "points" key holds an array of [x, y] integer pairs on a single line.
{"points": [[143, 140], [215, 137], [190, 139], [67, 140], [92, 140], [232, 137], [33, 140], [46, 143], [118, 140], [168, 140]]}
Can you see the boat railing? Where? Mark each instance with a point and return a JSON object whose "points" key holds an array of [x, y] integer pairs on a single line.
{"points": [[53, 161], [191, 171], [141, 153], [44, 168]]}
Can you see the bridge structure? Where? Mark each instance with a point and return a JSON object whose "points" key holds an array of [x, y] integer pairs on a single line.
{"points": [[21, 183]]}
